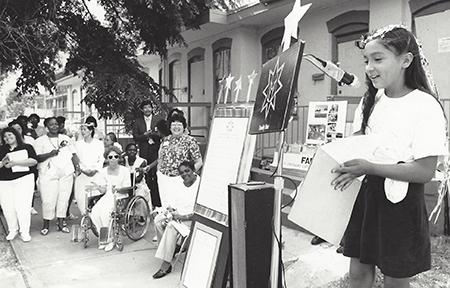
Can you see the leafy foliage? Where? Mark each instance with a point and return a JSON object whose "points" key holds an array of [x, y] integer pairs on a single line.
{"points": [[16, 105], [34, 32]]}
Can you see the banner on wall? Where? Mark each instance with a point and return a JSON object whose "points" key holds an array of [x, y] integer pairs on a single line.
{"points": [[326, 121]]}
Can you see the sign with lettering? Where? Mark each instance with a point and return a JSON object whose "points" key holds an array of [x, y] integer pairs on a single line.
{"points": [[276, 91]]}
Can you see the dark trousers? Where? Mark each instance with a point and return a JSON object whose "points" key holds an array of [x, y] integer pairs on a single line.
{"points": [[152, 183]]}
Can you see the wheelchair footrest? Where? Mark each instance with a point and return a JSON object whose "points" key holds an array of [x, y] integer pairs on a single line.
{"points": [[103, 236]]}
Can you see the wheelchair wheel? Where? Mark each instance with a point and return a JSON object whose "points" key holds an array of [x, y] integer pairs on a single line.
{"points": [[137, 218]]}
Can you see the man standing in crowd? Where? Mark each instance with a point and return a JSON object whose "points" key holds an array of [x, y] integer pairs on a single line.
{"points": [[23, 122], [34, 119], [146, 136]]}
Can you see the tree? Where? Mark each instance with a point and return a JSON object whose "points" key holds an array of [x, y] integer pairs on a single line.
{"points": [[16, 106], [35, 32]]}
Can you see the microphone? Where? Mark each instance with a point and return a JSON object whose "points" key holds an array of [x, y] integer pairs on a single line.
{"points": [[333, 71], [341, 75]]}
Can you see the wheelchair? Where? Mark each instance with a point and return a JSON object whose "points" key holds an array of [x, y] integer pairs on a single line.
{"points": [[130, 217]]}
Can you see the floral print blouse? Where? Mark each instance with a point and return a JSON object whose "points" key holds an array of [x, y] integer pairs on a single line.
{"points": [[175, 150]]}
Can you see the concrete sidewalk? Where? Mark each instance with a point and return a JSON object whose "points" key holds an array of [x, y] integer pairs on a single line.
{"points": [[54, 261]]}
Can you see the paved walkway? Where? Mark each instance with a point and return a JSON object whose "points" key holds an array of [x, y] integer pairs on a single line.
{"points": [[53, 261]]}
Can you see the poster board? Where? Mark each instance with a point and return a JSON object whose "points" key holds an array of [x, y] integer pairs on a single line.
{"points": [[318, 207], [326, 121], [202, 256], [229, 137], [276, 91]]}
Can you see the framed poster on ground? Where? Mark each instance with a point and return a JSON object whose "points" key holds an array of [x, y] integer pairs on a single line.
{"points": [[202, 256]]}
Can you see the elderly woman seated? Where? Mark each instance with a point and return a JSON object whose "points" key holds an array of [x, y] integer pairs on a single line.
{"points": [[113, 177], [179, 212]]}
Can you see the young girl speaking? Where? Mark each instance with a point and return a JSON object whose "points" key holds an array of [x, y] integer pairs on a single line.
{"points": [[388, 227]]}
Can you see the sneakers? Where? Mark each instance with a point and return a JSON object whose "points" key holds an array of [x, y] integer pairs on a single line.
{"points": [[33, 211], [155, 239], [101, 246], [25, 237], [11, 236], [110, 246]]}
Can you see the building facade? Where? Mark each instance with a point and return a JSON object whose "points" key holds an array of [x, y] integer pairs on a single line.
{"points": [[238, 42]]}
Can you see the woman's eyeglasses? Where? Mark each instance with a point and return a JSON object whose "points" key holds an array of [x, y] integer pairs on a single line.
{"points": [[110, 157]]}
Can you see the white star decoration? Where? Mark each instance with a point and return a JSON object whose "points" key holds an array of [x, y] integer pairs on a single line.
{"points": [[251, 78], [273, 86], [291, 23], [228, 80], [238, 88], [220, 90]]}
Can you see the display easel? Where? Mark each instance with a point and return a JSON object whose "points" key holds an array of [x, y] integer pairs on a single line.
{"points": [[209, 234]]}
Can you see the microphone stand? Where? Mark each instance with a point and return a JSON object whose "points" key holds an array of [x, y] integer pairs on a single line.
{"points": [[276, 235]]}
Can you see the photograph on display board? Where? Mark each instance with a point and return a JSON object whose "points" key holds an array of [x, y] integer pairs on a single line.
{"points": [[321, 111], [316, 132], [331, 127], [326, 121]]}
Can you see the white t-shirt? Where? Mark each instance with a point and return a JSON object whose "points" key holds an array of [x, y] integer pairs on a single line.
{"points": [[406, 128], [90, 154], [63, 160], [118, 181], [183, 198], [411, 126]]}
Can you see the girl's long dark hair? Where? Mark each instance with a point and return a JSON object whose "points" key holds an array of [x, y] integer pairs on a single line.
{"points": [[399, 41]]}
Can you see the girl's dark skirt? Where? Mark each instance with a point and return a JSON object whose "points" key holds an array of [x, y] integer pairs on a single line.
{"points": [[394, 237]]}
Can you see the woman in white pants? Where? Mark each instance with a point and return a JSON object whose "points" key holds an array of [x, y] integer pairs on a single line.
{"points": [[56, 166], [179, 212], [113, 176], [90, 155], [16, 183]]}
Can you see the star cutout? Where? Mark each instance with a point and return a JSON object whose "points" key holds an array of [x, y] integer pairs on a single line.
{"points": [[291, 23], [251, 78], [238, 88], [220, 90], [273, 86], [229, 80]]}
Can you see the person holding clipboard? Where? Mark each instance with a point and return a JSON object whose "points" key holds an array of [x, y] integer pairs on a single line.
{"points": [[18, 162]]}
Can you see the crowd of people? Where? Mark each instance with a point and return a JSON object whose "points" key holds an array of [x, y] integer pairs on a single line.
{"points": [[162, 163], [388, 226]]}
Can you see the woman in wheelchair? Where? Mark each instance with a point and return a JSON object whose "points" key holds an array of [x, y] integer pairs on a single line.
{"points": [[113, 177], [179, 212]]}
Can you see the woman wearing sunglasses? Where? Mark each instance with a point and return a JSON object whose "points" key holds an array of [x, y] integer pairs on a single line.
{"points": [[90, 153], [113, 176], [57, 162]]}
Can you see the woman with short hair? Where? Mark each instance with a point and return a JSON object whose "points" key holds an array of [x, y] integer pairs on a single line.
{"points": [[174, 149], [57, 162], [179, 212], [112, 177]]}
